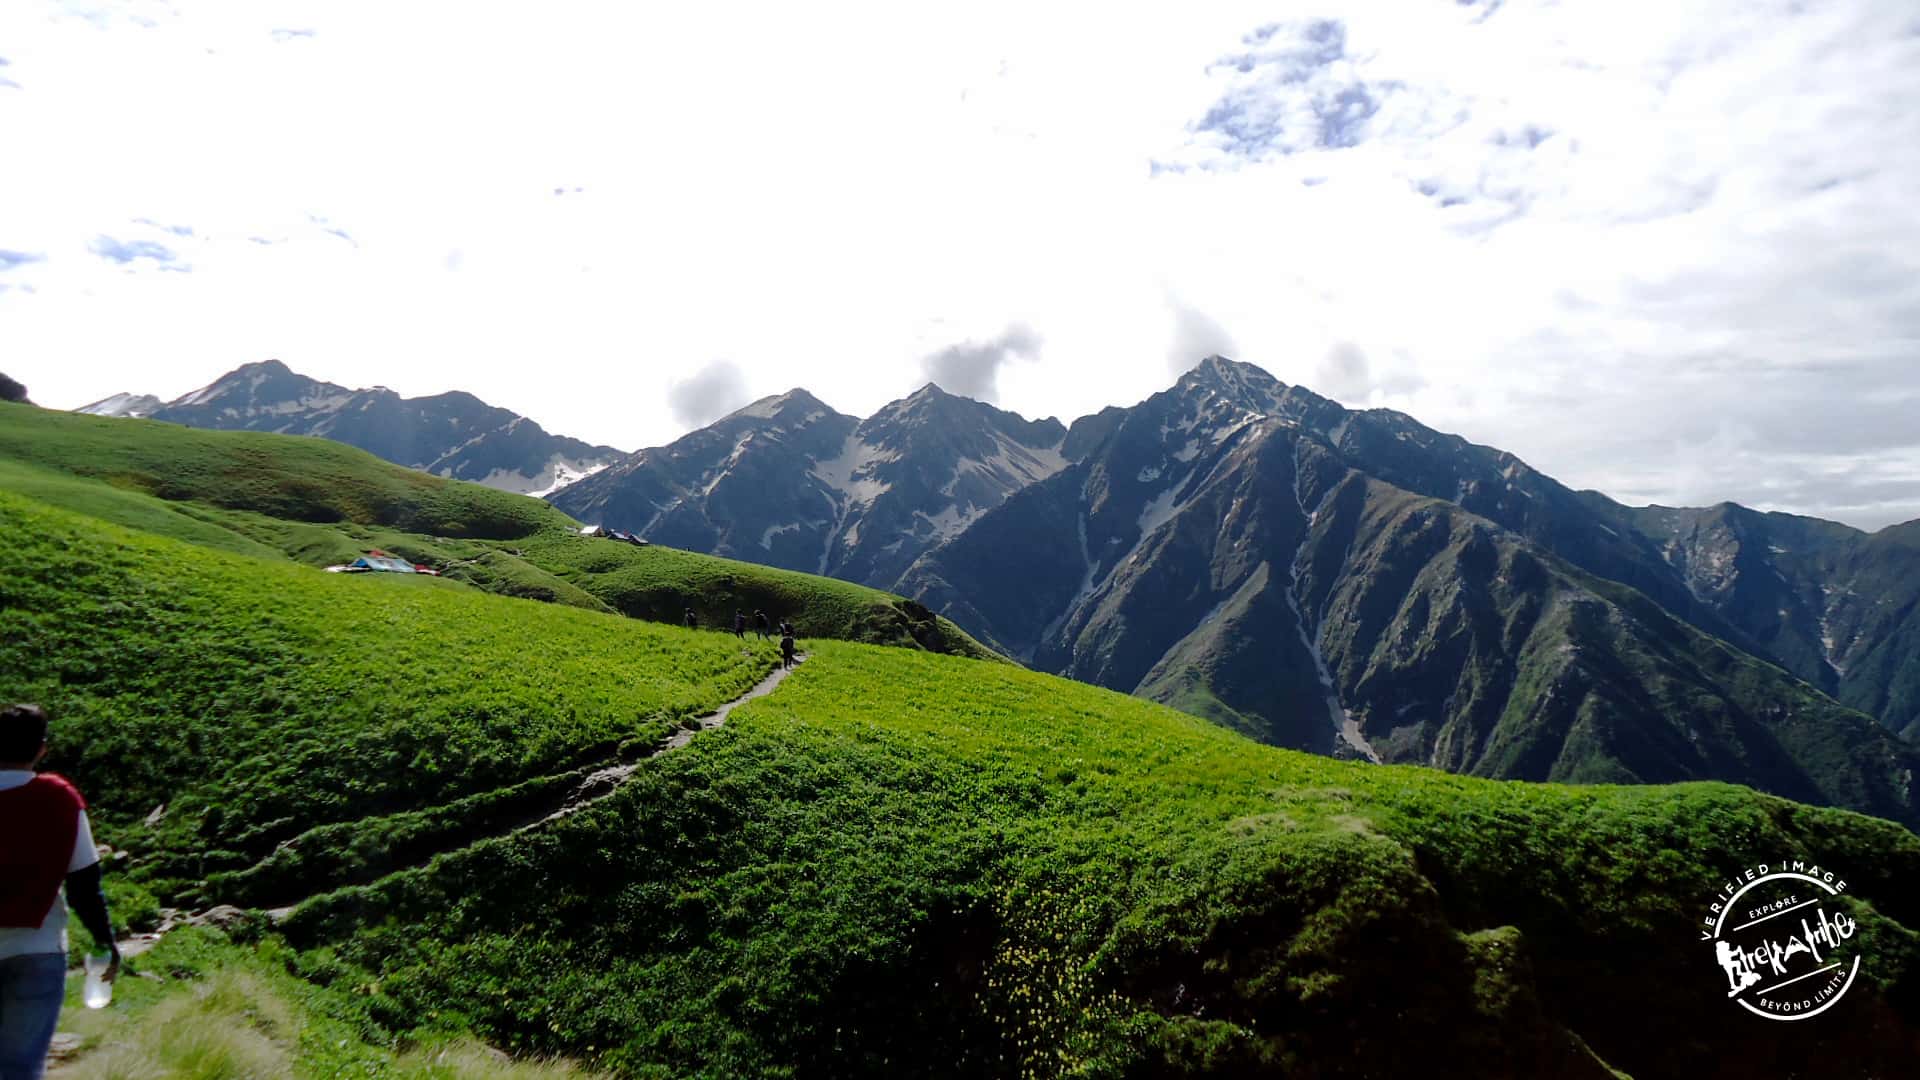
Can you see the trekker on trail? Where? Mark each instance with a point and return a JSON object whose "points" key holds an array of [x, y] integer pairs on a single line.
{"points": [[786, 650], [739, 625], [693, 622], [46, 863], [760, 624]]}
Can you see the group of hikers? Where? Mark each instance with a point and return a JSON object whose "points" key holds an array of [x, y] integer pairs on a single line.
{"points": [[762, 626]]}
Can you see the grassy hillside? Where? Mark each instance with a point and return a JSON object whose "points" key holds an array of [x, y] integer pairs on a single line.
{"points": [[320, 503], [659, 582], [903, 864], [296, 479], [256, 700], [897, 864]]}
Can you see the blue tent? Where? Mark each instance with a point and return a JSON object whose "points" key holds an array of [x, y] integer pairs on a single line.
{"points": [[382, 562]]}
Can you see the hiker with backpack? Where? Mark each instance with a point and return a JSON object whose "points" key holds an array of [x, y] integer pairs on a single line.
{"points": [[48, 864], [786, 649], [693, 621], [739, 625], [760, 624]]}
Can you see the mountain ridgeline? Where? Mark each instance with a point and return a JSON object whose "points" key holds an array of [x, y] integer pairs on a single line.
{"points": [[789, 482], [1346, 581], [454, 435]]}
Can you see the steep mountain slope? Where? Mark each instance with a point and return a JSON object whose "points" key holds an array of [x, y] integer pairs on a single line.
{"points": [[454, 434], [319, 503], [1261, 556], [1836, 606], [789, 482], [741, 486], [897, 864]]}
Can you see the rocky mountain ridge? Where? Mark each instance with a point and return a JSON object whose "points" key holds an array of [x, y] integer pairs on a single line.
{"points": [[453, 434], [1346, 581]]}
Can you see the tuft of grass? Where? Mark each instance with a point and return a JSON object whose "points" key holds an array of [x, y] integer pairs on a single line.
{"points": [[228, 1012], [229, 1027]]}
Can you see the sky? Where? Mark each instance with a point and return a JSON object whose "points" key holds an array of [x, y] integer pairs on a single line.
{"points": [[1666, 250]]}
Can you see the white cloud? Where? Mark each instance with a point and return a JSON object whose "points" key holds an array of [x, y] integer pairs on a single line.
{"points": [[1565, 229], [708, 394], [972, 368]]}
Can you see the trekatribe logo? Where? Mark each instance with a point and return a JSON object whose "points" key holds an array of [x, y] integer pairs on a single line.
{"points": [[1782, 941]]}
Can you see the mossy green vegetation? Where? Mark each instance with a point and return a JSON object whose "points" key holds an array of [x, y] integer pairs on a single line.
{"points": [[243, 702], [659, 582], [903, 863], [296, 479]]}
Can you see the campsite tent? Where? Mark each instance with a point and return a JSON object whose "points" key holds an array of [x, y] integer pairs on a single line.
{"points": [[383, 562]]}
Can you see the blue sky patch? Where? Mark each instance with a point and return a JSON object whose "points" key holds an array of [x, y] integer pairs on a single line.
{"points": [[126, 252]]}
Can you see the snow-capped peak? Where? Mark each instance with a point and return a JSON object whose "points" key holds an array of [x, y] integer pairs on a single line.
{"points": [[133, 405]]}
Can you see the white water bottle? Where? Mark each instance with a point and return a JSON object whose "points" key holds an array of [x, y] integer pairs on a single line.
{"points": [[98, 991]]}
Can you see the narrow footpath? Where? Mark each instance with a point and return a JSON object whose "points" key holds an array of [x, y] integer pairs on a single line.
{"points": [[602, 783], [592, 788]]}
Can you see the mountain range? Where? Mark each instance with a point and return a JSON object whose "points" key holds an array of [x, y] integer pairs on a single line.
{"points": [[454, 434], [789, 482], [1346, 581]]}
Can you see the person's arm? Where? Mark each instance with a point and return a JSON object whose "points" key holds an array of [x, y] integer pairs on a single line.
{"points": [[85, 897]]}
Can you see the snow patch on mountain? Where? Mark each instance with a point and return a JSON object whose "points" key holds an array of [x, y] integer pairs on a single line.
{"points": [[1344, 725], [766, 538], [564, 474], [310, 403], [725, 468], [558, 474], [127, 405], [844, 472], [1159, 510], [850, 476], [950, 522], [1085, 591]]}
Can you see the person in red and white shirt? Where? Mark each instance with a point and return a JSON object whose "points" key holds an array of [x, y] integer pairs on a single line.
{"points": [[47, 862]]}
